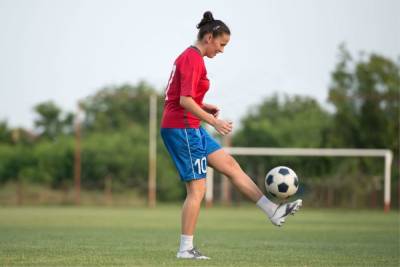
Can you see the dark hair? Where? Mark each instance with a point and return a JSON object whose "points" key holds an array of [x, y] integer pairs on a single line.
{"points": [[209, 25]]}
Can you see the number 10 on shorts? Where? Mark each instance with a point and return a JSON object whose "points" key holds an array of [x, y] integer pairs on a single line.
{"points": [[201, 165]]}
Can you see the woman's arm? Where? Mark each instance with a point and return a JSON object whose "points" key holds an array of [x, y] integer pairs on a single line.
{"points": [[223, 127], [214, 110]]}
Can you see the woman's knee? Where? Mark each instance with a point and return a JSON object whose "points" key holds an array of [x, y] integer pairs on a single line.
{"points": [[195, 197], [196, 192]]}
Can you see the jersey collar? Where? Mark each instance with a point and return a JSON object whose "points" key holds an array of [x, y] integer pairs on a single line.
{"points": [[195, 48]]}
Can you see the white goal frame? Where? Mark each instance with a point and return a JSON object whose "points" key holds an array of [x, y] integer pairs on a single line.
{"points": [[304, 152]]}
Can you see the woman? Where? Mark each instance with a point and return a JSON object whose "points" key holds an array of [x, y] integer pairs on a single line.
{"points": [[191, 147]]}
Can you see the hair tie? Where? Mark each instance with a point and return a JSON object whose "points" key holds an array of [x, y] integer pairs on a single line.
{"points": [[216, 27]]}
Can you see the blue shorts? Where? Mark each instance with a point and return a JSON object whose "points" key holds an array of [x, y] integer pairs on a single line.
{"points": [[189, 148]]}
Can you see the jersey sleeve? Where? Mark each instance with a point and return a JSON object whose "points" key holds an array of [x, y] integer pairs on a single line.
{"points": [[191, 69]]}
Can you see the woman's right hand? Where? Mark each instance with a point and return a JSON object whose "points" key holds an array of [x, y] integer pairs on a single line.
{"points": [[223, 127]]}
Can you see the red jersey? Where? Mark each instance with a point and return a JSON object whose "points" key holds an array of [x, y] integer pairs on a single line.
{"points": [[188, 78]]}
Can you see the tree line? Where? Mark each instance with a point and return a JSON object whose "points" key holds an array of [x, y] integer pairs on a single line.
{"points": [[364, 93]]}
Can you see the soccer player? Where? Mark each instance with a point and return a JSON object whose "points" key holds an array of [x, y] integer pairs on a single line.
{"points": [[191, 147]]}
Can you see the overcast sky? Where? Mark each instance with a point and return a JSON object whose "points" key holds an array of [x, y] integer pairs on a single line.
{"points": [[65, 50]]}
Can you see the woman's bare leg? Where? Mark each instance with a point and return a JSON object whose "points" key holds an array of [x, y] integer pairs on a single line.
{"points": [[226, 164], [191, 207]]}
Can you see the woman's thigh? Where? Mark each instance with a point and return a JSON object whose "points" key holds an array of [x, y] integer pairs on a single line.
{"points": [[223, 162]]}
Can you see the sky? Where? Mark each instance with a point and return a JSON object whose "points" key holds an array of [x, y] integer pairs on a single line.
{"points": [[66, 50]]}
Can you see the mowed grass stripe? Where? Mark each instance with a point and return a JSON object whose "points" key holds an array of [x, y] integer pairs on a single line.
{"points": [[95, 236]]}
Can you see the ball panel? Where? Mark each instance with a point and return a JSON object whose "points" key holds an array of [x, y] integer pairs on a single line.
{"points": [[296, 182], [284, 171], [270, 179], [283, 187]]}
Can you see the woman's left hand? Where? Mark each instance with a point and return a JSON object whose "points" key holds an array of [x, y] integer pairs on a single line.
{"points": [[214, 110]]}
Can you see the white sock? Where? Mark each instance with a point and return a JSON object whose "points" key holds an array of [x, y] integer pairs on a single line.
{"points": [[186, 242], [267, 206]]}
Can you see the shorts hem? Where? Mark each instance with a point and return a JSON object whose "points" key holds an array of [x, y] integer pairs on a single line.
{"points": [[188, 179], [213, 150]]}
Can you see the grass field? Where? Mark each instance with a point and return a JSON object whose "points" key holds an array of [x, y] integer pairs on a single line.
{"points": [[69, 236]]}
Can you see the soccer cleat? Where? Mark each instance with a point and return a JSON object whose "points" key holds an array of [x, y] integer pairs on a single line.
{"points": [[191, 254], [283, 210]]}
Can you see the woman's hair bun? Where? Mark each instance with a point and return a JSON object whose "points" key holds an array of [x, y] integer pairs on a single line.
{"points": [[207, 17]]}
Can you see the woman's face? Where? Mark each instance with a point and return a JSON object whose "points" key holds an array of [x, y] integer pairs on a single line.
{"points": [[216, 45]]}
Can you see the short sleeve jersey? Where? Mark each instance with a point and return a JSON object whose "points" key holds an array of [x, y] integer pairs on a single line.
{"points": [[188, 78]]}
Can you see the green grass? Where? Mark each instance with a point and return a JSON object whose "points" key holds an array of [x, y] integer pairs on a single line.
{"points": [[85, 236]]}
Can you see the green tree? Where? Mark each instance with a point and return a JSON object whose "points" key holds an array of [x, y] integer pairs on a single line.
{"points": [[5, 133], [50, 121], [292, 122], [54, 161], [115, 108], [366, 95]]}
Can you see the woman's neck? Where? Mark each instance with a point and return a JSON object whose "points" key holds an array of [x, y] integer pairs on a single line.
{"points": [[201, 48]]}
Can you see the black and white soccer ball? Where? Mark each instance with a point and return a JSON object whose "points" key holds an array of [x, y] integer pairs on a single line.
{"points": [[281, 182]]}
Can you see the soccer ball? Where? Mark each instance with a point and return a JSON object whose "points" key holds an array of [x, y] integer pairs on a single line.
{"points": [[281, 182]]}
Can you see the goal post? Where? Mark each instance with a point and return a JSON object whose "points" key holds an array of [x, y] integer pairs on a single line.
{"points": [[320, 152]]}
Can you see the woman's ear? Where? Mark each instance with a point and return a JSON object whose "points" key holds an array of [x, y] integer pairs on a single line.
{"points": [[208, 38]]}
